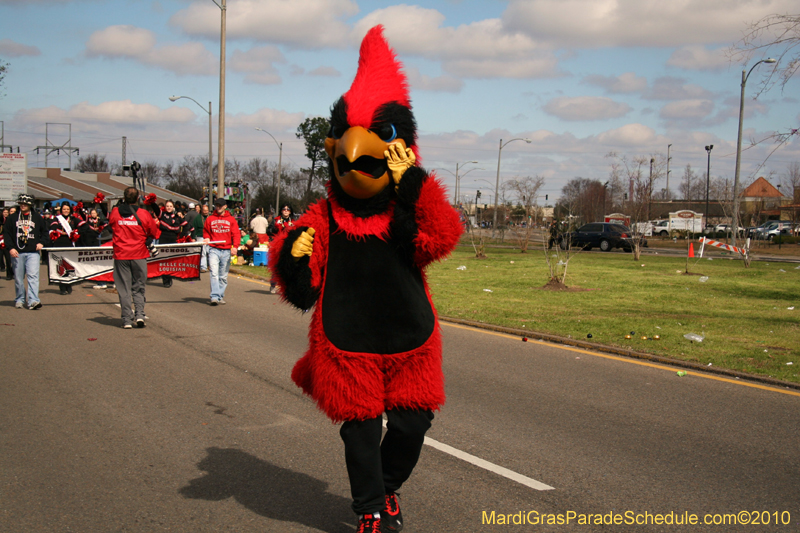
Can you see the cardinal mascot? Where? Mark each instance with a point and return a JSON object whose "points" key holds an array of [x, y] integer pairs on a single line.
{"points": [[358, 258]]}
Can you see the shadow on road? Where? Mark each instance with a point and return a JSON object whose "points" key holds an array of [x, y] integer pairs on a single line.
{"points": [[195, 299], [256, 291], [269, 490], [106, 321]]}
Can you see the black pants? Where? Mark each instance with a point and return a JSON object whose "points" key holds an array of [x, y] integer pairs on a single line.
{"points": [[377, 468], [9, 266]]}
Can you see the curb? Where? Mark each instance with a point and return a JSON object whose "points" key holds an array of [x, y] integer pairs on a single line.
{"points": [[556, 339]]}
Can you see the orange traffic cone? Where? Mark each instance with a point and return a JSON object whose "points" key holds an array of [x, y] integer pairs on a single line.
{"points": [[691, 249]]}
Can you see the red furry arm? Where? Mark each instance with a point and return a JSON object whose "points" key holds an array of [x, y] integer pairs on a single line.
{"points": [[438, 225], [301, 280]]}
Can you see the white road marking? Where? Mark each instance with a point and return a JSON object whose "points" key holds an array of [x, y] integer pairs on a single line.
{"points": [[486, 465]]}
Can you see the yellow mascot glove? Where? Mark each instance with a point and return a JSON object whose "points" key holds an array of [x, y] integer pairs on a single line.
{"points": [[304, 244], [399, 160]]}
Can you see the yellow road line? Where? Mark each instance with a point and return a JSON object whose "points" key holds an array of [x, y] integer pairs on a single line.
{"points": [[251, 280], [626, 360]]}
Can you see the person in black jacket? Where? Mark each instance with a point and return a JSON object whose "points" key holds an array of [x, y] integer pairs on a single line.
{"points": [[24, 234], [90, 231], [63, 234], [172, 226], [5, 257]]}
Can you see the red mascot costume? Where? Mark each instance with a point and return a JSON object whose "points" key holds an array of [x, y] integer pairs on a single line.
{"points": [[358, 258]]}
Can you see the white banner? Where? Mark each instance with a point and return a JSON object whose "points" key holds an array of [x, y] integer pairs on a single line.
{"points": [[96, 263]]}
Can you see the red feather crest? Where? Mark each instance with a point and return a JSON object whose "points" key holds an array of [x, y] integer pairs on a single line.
{"points": [[150, 199], [100, 198], [379, 80]]}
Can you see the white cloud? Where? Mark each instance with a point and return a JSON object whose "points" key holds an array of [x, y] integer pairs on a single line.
{"points": [[669, 88], [139, 44], [89, 118], [423, 82], [305, 24], [482, 49], [258, 64], [585, 108], [698, 57], [627, 137], [325, 72], [9, 48], [623, 84], [687, 109], [596, 23]]}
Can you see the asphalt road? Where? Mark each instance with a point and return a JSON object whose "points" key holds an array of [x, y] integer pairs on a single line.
{"points": [[192, 424]]}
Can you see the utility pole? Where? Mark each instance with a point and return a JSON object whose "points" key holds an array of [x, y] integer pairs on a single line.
{"points": [[669, 196], [3, 144], [124, 147], [650, 188], [221, 136], [50, 147], [708, 177]]}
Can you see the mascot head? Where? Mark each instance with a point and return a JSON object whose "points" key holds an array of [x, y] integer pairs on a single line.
{"points": [[374, 113]]}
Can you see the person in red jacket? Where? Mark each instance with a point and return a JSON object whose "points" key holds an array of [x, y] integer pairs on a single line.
{"points": [[131, 227], [220, 226]]}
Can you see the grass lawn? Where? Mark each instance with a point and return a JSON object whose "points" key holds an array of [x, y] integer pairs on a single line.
{"points": [[742, 313]]}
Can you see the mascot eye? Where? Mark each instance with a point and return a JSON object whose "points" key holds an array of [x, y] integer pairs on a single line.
{"points": [[336, 132], [387, 133]]}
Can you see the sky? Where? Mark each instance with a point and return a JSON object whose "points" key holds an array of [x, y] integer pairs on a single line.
{"points": [[580, 78]]}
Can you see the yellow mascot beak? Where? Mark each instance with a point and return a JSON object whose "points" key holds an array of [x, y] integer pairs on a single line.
{"points": [[359, 163]]}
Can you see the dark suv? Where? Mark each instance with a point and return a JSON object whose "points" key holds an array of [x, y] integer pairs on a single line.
{"points": [[603, 235]]}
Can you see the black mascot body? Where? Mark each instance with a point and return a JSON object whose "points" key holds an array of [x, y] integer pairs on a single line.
{"points": [[358, 258]]}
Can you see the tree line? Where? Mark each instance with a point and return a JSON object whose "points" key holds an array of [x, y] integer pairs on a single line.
{"points": [[299, 187]]}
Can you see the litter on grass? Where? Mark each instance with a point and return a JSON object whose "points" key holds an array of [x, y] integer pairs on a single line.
{"points": [[790, 308], [694, 337], [781, 270], [462, 267], [702, 279], [790, 363], [487, 290]]}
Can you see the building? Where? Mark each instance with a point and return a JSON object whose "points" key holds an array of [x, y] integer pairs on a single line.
{"points": [[762, 201], [50, 184]]}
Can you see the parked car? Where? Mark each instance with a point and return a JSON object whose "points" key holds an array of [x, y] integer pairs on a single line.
{"points": [[603, 235], [722, 228], [771, 229]]}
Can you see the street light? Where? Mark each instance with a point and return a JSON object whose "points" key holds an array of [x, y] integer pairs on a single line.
{"points": [[708, 176], [739, 150], [280, 160], [210, 152], [458, 178], [497, 182], [221, 138]]}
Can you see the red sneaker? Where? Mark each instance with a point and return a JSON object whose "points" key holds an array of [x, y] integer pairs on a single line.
{"points": [[369, 524], [392, 517]]}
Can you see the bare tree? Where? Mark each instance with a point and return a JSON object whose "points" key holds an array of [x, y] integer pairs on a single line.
{"points": [[791, 183], [777, 36], [92, 163], [524, 191], [637, 206]]}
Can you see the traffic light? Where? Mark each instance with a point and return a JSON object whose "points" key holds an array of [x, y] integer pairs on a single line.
{"points": [[546, 197], [478, 195]]}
